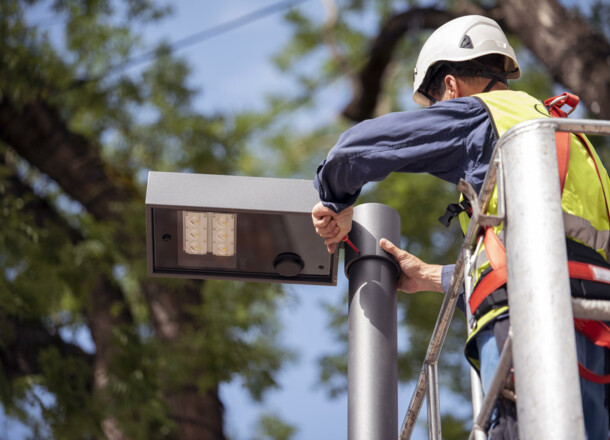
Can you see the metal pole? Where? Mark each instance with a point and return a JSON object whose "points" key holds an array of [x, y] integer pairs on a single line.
{"points": [[434, 413], [372, 349], [544, 353], [476, 388]]}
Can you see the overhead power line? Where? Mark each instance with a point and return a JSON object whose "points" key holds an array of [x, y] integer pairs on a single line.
{"points": [[212, 32]]}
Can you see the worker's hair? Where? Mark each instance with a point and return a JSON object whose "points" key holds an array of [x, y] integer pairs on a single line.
{"points": [[487, 66]]}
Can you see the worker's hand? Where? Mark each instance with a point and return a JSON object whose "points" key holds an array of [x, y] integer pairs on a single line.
{"points": [[330, 225], [415, 276]]}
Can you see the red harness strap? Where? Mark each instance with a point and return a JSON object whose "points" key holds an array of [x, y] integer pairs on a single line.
{"points": [[596, 331], [589, 375], [496, 253], [562, 138]]}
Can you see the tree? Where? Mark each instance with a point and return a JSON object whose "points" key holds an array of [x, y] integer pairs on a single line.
{"points": [[80, 124], [72, 255], [572, 50]]}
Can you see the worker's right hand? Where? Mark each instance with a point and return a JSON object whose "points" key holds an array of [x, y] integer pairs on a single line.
{"points": [[330, 225]]}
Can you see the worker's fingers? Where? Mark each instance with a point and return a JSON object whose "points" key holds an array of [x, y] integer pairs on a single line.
{"points": [[331, 247], [323, 221], [320, 212], [334, 239], [320, 222], [389, 247], [330, 225], [329, 230]]}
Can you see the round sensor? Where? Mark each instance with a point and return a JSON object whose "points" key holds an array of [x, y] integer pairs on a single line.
{"points": [[288, 264]]}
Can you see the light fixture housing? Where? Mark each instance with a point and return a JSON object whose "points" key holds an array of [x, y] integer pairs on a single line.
{"points": [[235, 228]]}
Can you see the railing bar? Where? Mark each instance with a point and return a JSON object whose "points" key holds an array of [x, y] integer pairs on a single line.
{"points": [[595, 309], [434, 413], [415, 405], [476, 390], [586, 126]]}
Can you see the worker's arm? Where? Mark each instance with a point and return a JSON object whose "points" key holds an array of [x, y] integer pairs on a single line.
{"points": [[449, 140], [331, 225], [415, 276]]}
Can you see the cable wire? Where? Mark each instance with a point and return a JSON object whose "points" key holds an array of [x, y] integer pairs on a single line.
{"points": [[212, 32]]}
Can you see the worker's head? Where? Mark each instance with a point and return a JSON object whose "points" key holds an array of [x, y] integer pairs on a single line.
{"points": [[472, 48]]}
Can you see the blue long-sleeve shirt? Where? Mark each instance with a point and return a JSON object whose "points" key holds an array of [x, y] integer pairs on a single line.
{"points": [[451, 140]]}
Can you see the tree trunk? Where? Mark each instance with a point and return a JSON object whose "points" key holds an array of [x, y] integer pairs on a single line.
{"points": [[199, 413], [37, 133], [102, 322], [576, 55]]}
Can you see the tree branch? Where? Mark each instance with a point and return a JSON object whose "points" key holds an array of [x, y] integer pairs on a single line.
{"points": [[38, 134], [366, 94], [24, 340], [576, 55]]}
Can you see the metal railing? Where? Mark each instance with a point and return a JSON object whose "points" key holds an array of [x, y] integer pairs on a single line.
{"points": [[524, 164]]}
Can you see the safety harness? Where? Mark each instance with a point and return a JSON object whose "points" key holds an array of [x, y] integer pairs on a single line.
{"points": [[596, 331]]}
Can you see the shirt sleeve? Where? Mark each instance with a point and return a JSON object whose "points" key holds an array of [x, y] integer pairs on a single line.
{"points": [[446, 274], [447, 140]]}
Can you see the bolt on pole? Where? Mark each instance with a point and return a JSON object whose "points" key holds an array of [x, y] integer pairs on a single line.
{"points": [[372, 347]]}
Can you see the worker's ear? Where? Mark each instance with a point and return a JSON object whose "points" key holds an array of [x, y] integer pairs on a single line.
{"points": [[452, 87]]}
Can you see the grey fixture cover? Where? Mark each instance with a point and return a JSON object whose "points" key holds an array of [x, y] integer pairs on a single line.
{"points": [[274, 237]]}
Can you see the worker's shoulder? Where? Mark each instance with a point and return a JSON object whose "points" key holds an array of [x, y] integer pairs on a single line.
{"points": [[466, 105]]}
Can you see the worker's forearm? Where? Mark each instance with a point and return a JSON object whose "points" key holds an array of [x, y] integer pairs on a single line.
{"points": [[431, 278]]}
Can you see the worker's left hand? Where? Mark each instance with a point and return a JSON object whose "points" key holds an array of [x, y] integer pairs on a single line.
{"points": [[415, 276], [330, 225]]}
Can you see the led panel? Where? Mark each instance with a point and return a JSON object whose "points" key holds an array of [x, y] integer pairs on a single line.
{"points": [[195, 226]]}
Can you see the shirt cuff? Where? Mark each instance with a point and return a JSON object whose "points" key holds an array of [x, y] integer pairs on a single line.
{"points": [[446, 274]]}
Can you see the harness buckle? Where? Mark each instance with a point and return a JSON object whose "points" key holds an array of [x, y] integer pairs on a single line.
{"points": [[477, 214]]}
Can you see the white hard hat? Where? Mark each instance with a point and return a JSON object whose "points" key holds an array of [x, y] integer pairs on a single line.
{"points": [[463, 39]]}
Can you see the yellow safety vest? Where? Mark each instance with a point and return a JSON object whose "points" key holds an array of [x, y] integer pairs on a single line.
{"points": [[584, 197]]}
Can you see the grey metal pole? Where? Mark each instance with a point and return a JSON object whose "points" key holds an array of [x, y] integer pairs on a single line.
{"points": [[372, 348], [434, 416], [544, 354]]}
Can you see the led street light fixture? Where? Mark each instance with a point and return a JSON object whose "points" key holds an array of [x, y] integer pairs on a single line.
{"points": [[235, 227]]}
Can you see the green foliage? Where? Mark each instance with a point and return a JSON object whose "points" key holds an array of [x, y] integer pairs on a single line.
{"points": [[142, 116], [240, 336], [53, 253], [454, 427], [68, 380], [333, 367], [271, 427], [134, 392]]}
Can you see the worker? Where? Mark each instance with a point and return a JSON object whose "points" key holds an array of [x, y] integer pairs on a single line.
{"points": [[461, 78]]}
